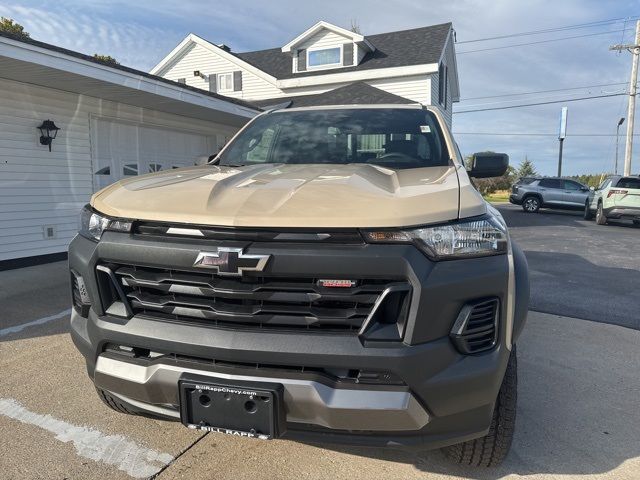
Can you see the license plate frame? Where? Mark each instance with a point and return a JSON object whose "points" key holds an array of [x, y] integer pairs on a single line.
{"points": [[240, 408]]}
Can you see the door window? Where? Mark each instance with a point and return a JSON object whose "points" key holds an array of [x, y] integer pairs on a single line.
{"points": [[569, 185], [551, 183]]}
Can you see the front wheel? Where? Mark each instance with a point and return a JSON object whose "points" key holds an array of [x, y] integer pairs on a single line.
{"points": [[601, 218], [588, 215], [531, 204], [491, 450]]}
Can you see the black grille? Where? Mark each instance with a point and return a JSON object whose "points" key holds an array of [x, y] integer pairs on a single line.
{"points": [[254, 301], [476, 327]]}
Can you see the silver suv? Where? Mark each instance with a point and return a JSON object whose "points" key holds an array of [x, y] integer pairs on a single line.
{"points": [[550, 192]]}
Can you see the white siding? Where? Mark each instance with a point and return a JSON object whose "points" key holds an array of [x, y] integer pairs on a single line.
{"points": [[39, 188], [414, 87], [203, 59], [323, 39]]}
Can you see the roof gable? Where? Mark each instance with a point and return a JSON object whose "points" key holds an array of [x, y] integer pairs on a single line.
{"points": [[193, 39], [318, 27]]}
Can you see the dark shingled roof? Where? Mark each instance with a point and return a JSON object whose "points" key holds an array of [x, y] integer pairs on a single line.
{"points": [[71, 53], [358, 93], [394, 49]]}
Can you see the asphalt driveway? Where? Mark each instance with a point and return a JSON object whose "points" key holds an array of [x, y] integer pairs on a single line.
{"points": [[577, 268]]}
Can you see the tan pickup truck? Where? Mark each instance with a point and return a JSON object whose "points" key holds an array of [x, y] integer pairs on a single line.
{"points": [[331, 276]]}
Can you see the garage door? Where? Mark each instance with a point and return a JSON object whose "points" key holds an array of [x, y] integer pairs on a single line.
{"points": [[120, 149]]}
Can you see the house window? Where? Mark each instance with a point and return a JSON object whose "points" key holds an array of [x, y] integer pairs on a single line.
{"points": [[443, 82], [130, 169], [225, 82], [324, 57]]}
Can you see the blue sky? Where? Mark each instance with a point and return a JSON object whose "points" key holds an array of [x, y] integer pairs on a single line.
{"points": [[140, 34]]}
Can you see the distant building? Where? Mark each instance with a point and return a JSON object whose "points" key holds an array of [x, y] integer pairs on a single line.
{"points": [[114, 121], [417, 64]]}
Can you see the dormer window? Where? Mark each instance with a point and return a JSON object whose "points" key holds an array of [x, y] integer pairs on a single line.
{"points": [[324, 57]]}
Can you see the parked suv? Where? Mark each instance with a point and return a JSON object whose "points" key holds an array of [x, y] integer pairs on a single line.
{"points": [[616, 197], [331, 276], [549, 192]]}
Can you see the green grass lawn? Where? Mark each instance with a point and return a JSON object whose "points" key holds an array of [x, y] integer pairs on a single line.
{"points": [[497, 197]]}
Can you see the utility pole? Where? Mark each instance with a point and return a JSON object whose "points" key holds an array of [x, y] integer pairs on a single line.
{"points": [[560, 158], [620, 122], [635, 50]]}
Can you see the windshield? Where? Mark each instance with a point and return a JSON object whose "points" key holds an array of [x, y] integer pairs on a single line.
{"points": [[391, 137]]}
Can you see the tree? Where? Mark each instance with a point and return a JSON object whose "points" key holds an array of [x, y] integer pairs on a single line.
{"points": [[489, 185], [109, 60], [355, 28], [526, 169], [590, 179], [14, 29]]}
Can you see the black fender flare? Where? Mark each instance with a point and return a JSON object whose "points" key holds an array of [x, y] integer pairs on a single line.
{"points": [[522, 291]]}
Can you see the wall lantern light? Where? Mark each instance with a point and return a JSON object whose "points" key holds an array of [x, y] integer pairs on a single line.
{"points": [[48, 132]]}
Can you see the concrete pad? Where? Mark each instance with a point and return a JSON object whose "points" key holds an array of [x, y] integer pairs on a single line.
{"points": [[34, 292], [578, 417], [46, 375]]}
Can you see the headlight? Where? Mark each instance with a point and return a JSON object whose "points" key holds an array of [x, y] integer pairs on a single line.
{"points": [[93, 224], [478, 237]]}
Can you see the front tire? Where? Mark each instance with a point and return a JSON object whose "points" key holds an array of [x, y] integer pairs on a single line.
{"points": [[113, 403], [588, 214], [601, 218], [492, 449], [531, 204]]}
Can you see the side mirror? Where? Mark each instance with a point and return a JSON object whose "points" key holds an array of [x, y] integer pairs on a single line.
{"points": [[485, 165]]}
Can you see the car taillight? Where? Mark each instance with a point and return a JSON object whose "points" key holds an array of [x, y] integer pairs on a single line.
{"points": [[616, 192]]}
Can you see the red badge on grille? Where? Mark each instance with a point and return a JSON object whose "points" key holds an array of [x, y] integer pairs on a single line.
{"points": [[337, 283]]}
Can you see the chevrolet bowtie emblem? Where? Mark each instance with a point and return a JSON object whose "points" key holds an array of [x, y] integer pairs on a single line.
{"points": [[231, 261]]}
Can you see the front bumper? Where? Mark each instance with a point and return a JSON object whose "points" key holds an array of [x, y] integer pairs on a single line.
{"points": [[515, 199], [445, 398]]}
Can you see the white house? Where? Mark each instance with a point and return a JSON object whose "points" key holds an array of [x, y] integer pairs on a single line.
{"points": [[417, 64], [114, 121]]}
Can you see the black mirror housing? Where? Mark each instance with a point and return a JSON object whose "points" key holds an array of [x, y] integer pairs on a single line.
{"points": [[488, 164]]}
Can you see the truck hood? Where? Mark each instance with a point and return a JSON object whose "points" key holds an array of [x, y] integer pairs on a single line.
{"points": [[277, 195]]}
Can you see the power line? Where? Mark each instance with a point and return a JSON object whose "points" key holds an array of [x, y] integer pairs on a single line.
{"points": [[544, 98], [540, 103], [544, 91], [550, 30], [539, 42]]}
